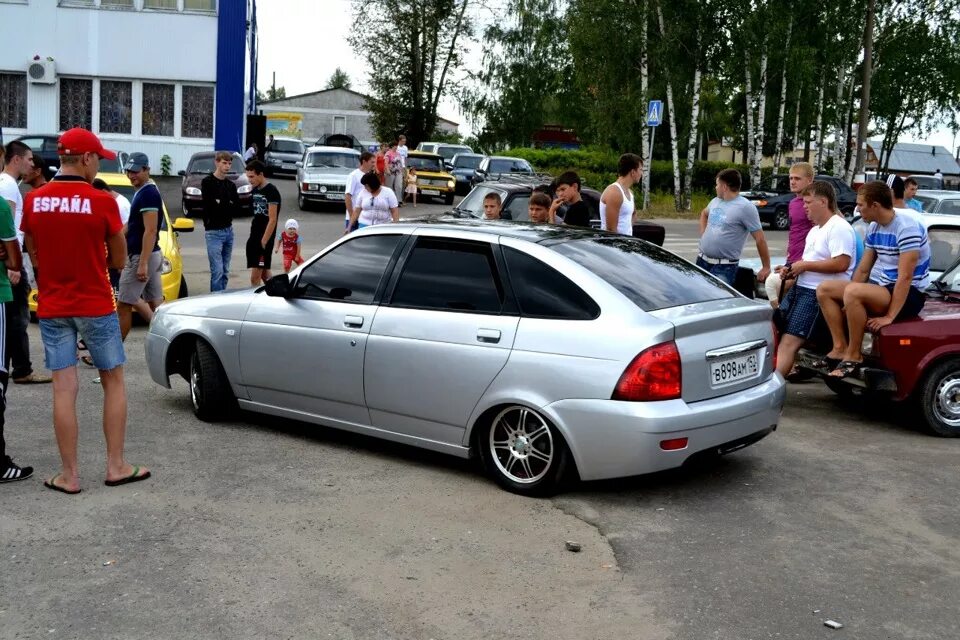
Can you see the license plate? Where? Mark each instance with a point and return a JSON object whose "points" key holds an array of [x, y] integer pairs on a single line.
{"points": [[287, 165], [732, 370], [429, 192], [334, 196]]}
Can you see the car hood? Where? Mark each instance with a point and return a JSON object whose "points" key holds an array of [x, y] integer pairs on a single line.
{"points": [[287, 156], [434, 175], [941, 309], [337, 174], [230, 305]]}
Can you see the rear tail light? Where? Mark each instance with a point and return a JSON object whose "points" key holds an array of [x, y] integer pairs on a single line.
{"points": [[673, 444], [653, 375]]}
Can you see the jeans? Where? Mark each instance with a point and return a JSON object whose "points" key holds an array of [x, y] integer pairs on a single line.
{"points": [[219, 250], [101, 334], [726, 272], [18, 319]]}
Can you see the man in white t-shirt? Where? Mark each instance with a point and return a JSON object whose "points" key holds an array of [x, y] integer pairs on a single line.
{"points": [[828, 254], [19, 163], [354, 188], [403, 150]]}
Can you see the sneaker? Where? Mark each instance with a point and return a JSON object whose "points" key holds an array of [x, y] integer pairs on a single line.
{"points": [[33, 378], [11, 472]]}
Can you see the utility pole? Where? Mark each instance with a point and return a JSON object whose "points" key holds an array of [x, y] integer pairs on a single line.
{"points": [[864, 121]]}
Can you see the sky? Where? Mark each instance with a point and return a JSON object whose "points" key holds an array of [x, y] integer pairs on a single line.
{"points": [[304, 41]]}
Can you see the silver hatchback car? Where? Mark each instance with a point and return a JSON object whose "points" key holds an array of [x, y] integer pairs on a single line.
{"points": [[548, 352]]}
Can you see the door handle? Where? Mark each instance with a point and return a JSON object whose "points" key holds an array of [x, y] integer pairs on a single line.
{"points": [[353, 321], [491, 336]]}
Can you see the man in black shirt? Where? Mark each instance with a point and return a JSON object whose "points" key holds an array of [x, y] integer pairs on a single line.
{"points": [[221, 203], [578, 214], [263, 225]]}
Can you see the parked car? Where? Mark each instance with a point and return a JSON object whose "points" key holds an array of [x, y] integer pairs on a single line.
{"points": [[365, 334], [45, 146], [444, 149], [938, 201], [428, 147], [323, 176], [282, 156], [515, 200], [199, 167], [433, 180], [915, 360], [927, 182], [462, 166], [171, 267], [776, 185], [774, 211], [494, 167]]}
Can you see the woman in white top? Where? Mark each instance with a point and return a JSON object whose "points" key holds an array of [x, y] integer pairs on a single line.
{"points": [[376, 204], [616, 202]]}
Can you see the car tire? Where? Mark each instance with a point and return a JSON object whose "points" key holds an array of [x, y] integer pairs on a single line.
{"points": [[183, 292], [448, 199], [940, 398], [523, 452], [302, 203], [842, 389], [210, 391], [781, 219]]}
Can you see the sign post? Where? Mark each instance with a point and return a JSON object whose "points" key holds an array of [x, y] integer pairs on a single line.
{"points": [[654, 118]]}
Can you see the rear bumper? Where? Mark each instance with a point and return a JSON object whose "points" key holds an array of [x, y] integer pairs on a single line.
{"points": [[610, 439], [873, 379]]}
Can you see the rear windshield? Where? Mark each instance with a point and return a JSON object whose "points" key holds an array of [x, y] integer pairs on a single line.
{"points": [[467, 162], [286, 146], [204, 164], [510, 165], [649, 276]]}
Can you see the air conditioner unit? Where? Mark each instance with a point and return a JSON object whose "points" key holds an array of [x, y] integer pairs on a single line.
{"points": [[42, 72]]}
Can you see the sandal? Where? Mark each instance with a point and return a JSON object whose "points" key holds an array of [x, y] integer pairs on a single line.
{"points": [[826, 362], [87, 360], [846, 369]]}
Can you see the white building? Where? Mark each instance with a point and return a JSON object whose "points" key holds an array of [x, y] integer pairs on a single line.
{"points": [[165, 77]]}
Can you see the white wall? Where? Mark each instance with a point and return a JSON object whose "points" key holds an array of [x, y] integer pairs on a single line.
{"points": [[111, 44]]}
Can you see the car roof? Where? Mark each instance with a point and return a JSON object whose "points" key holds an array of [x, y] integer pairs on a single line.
{"points": [[210, 154], [329, 149], [506, 158], [941, 220], [469, 153], [536, 233], [939, 193], [287, 138]]}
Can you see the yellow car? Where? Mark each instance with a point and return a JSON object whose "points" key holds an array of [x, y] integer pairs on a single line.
{"points": [[433, 180], [171, 271]]}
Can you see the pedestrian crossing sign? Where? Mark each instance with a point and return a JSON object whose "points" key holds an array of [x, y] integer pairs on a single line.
{"points": [[655, 113]]}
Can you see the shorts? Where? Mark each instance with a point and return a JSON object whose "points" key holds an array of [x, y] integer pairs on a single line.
{"points": [[131, 289], [912, 306], [101, 334], [257, 256], [288, 262], [801, 309]]}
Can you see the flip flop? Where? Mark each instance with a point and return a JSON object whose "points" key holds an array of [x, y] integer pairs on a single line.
{"points": [[133, 477], [49, 484], [847, 369], [826, 362], [87, 360]]}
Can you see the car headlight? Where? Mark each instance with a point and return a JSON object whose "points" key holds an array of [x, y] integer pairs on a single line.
{"points": [[323, 189], [193, 191], [761, 203], [247, 188], [165, 266], [451, 183], [866, 346]]}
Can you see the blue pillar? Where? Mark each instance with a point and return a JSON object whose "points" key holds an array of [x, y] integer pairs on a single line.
{"points": [[231, 59]]}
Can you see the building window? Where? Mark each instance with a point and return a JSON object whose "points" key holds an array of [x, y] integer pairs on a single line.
{"points": [[117, 4], [160, 4], [76, 103], [157, 109], [200, 5], [13, 100], [197, 112], [116, 106], [339, 124]]}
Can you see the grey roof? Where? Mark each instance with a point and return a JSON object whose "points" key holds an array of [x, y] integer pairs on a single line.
{"points": [[918, 158]]}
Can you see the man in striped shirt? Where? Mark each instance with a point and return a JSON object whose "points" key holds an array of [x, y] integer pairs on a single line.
{"points": [[888, 284]]}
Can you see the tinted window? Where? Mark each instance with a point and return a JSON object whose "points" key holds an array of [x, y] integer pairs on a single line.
{"points": [[448, 152], [204, 164], [286, 146], [928, 204], [951, 207], [467, 162], [450, 275], [473, 202], [944, 247], [518, 208], [510, 165], [649, 276], [427, 164], [327, 159], [544, 292], [351, 272]]}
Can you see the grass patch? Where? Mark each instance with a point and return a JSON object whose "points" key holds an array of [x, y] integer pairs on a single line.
{"points": [[661, 206]]}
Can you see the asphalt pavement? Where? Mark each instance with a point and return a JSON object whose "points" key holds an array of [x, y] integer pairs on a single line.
{"points": [[270, 528]]}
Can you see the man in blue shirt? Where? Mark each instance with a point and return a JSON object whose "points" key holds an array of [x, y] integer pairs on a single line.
{"points": [[909, 191], [888, 284], [140, 278]]}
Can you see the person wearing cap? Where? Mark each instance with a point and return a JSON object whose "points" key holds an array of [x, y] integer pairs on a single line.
{"points": [[66, 224], [140, 278], [289, 240]]}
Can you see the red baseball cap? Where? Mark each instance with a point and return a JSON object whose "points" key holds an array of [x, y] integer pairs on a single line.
{"points": [[78, 141]]}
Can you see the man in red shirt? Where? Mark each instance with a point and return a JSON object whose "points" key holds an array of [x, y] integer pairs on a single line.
{"points": [[68, 224]]}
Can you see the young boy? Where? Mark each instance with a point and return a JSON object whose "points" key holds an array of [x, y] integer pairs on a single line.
{"points": [[539, 208], [265, 199], [568, 193], [491, 206], [290, 241]]}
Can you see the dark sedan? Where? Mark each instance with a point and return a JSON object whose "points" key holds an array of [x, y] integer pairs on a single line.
{"points": [[44, 146], [463, 166], [200, 166], [774, 209]]}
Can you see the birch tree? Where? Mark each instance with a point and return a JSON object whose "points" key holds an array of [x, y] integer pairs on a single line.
{"points": [[783, 100], [672, 114], [646, 150]]}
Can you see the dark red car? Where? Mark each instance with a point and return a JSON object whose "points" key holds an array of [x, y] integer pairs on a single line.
{"points": [[199, 167], [918, 360]]}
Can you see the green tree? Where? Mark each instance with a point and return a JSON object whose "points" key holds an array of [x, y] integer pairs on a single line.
{"points": [[408, 78], [339, 80], [273, 93]]}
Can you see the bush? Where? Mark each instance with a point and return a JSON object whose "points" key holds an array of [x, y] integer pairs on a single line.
{"points": [[165, 164]]}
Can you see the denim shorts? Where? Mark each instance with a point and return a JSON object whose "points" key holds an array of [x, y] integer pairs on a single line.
{"points": [[100, 333]]}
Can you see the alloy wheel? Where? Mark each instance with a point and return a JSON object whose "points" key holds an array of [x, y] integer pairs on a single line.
{"points": [[521, 445]]}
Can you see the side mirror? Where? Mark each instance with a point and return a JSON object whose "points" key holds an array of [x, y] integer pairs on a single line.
{"points": [[183, 225], [279, 286], [300, 163], [182, 173]]}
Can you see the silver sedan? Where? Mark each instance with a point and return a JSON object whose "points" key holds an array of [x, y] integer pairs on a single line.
{"points": [[548, 352]]}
